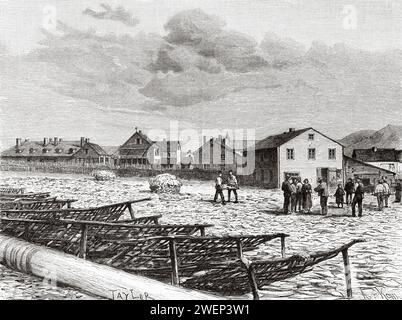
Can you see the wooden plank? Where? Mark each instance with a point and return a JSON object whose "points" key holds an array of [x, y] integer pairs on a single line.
{"points": [[83, 241], [348, 276], [174, 262], [283, 247], [99, 280]]}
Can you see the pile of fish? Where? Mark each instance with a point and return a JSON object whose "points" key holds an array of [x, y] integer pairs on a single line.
{"points": [[165, 183]]}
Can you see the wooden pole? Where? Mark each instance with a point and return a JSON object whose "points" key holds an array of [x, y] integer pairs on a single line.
{"points": [[130, 208], [239, 249], [283, 247], [99, 280], [348, 277], [174, 262], [202, 231], [253, 282], [83, 241]]}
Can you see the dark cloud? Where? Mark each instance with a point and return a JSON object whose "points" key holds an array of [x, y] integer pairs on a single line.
{"points": [[204, 35], [281, 52], [117, 14]]}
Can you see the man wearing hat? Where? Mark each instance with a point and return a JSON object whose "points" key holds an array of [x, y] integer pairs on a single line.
{"points": [[358, 198], [287, 193], [379, 193], [322, 190]]}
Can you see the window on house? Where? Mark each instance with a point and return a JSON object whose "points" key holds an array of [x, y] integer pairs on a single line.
{"points": [[31, 150], [156, 152], [331, 154], [223, 157], [392, 167], [290, 154], [139, 141], [86, 151], [311, 136], [311, 153]]}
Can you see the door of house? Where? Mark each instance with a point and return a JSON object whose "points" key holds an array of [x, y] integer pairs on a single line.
{"points": [[322, 173]]}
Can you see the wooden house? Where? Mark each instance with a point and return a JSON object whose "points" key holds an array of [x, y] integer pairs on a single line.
{"points": [[305, 153], [389, 159], [139, 150]]}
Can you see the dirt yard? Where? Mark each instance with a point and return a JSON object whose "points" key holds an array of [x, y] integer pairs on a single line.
{"points": [[376, 264]]}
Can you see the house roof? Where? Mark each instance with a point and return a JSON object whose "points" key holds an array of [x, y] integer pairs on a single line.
{"points": [[98, 149], [277, 140], [367, 164], [375, 155], [35, 149], [110, 150]]}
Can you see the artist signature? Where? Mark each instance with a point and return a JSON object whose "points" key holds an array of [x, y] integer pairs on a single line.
{"points": [[379, 294], [129, 295]]}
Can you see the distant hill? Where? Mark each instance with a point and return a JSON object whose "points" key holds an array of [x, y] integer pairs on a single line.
{"points": [[387, 137]]}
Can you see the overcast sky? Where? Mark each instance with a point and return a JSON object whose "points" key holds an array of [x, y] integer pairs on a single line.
{"points": [[378, 22]]}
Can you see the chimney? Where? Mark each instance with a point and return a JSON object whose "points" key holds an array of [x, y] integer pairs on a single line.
{"points": [[18, 142], [56, 141], [45, 141], [292, 129], [82, 142]]}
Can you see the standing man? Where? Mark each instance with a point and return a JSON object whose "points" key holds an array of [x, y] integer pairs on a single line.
{"points": [[349, 189], [322, 190], [232, 185], [379, 193], [287, 192], [398, 191], [306, 191], [293, 199], [358, 198], [218, 188], [387, 192], [299, 194]]}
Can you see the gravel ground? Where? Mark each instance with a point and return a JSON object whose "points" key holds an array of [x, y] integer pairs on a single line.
{"points": [[376, 264]]}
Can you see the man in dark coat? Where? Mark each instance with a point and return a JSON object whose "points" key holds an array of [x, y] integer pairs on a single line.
{"points": [[349, 189], [287, 193], [358, 199], [398, 191]]}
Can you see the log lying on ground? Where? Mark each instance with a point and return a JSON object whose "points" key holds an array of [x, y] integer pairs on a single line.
{"points": [[93, 278]]}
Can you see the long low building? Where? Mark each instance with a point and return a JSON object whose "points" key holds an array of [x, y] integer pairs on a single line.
{"points": [[57, 150]]}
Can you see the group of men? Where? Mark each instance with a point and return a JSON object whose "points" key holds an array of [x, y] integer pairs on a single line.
{"points": [[231, 186], [291, 187], [297, 195], [383, 191]]}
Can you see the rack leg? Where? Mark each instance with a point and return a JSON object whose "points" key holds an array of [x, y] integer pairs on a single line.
{"points": [[348, 277]]}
